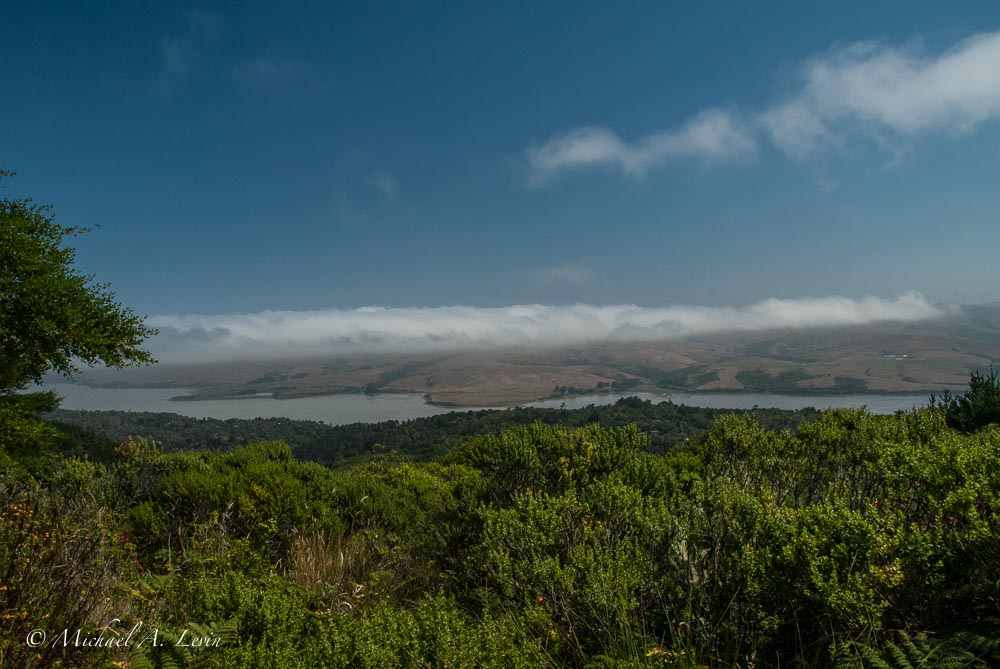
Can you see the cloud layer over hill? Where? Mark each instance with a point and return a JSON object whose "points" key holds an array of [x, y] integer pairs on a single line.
{"points": [[267, 334]]}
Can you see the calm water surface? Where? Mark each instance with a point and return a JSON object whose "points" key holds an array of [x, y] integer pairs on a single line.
{"points": [[332, 409], [353, 408]]}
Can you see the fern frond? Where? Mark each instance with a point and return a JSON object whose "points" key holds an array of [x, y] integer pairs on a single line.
{"points": [[921, 651]]}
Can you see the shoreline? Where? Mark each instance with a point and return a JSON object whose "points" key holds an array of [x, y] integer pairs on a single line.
{"points": [[487, 402], [340, 408]]}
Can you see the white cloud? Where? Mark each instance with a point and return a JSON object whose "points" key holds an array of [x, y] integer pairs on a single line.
{"points": [[575, 274], [199, 338], [883, 92], [875, 88], [712, 136], [796, 129]]}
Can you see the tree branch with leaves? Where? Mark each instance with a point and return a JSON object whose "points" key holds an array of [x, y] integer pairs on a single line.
{"points": [[53, 318]]}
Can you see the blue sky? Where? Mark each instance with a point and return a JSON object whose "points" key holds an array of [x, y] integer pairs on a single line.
{"points": [[242, 157]]}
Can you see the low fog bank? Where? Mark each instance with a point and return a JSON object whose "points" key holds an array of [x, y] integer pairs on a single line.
{"points": [[191, 338]]}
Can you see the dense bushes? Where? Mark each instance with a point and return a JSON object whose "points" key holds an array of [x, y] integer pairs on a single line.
{"points": [[857, 540], [976, 408], [64, 564]]}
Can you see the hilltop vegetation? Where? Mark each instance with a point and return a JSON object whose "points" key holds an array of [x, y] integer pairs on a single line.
{"points": [[665, 424]]}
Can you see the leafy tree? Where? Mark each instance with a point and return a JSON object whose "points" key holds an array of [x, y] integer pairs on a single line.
{"points": [[52, 317], [978, 406]]}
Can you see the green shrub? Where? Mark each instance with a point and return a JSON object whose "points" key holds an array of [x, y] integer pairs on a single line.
{"points": [[978, 406]]}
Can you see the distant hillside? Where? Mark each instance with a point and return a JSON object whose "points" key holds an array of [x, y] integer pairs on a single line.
{"points": [[893, 358]]}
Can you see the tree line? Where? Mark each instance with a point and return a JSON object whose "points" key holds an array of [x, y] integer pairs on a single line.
{"points": [[665, 424]]}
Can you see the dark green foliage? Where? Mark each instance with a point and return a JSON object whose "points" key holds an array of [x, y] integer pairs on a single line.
{"points": [[758, 380], [846, 385], [853, 540], [21, 429], [62, 563], [958, 651], [761, 381], [978, 406], [52, 318], [255, 494], [666, 424], [51, 315], [193, 648]]}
